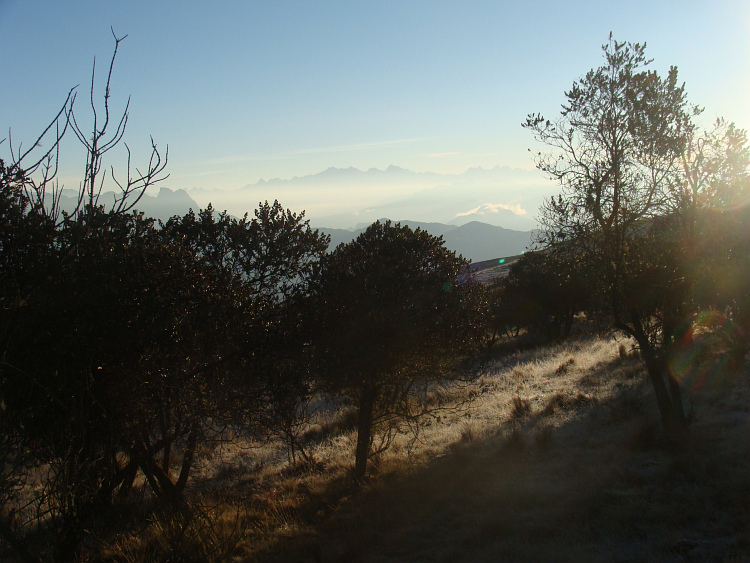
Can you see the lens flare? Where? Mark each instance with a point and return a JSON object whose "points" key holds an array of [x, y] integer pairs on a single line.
{"points": [[704, 352]]}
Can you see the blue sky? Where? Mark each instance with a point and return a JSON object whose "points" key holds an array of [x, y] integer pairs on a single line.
{"points": [[248, 90]]}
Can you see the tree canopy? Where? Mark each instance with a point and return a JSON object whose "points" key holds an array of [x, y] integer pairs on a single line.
{"points": [[627, 154], [390, 316]]}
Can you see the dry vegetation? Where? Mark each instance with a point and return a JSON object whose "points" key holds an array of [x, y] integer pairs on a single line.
{"points": [[558, 457]]}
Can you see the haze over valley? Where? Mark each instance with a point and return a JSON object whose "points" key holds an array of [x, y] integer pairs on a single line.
{"points": [[481, 214], [346, 198]]}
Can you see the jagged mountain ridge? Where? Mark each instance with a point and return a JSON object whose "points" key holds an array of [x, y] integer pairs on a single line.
{"points": [[164, 205], [334, 174]]}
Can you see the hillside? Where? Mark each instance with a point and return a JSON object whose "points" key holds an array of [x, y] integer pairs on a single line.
{"points": [[474, 240], [487, 271], [558, 457]]}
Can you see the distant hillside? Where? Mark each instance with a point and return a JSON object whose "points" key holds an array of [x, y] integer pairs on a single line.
{"points": [[474, 240], [488, 271]]}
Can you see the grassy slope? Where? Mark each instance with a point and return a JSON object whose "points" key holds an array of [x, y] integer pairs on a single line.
{"points": [[584, 476], [558, 458]]}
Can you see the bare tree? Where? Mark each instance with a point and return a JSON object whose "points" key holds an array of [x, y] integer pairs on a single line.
{"points": [[37, 172], [102, 140], [39, 169]]}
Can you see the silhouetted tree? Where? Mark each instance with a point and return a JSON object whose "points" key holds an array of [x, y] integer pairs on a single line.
{"points": [[118, 365], [54, 268], [274, 255], [617, 150], [710, 200], [391, 322], [26, 236], [543, 291]]}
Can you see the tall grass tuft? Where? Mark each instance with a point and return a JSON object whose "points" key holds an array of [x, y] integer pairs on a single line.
{"points": [[521, 408]]}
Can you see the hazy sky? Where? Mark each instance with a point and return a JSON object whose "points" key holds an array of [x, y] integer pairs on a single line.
{"points": [[248, 90]]}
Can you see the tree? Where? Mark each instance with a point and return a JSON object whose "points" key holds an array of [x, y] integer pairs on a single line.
{"points": [[70, 300], [617, 149], [711, 198], [274, 255], [118, 364], [100, 141], [544, 290], [390, 323], [37, 167], [26, 236]]}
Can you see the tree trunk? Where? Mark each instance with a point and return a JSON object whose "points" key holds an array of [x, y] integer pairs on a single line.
{"points": [[187, 460], [666, 387], [364, 432], [127, 483]]}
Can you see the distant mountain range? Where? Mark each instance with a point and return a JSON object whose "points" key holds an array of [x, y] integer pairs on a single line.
{"points": [[161, 206], [474, 240], [341, 198]]}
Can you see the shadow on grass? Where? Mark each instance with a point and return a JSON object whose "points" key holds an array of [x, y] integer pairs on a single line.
{"points": [[579, 480]]}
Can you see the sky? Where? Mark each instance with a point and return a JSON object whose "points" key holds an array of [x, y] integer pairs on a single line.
{"points": [[243, 91]]}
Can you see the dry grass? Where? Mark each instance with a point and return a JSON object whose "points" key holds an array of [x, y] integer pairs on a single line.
{"points": [[558, 458]]}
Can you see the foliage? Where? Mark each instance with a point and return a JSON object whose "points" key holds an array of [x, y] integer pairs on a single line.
{"points": [[50, 397], [543, 291], [657, 208], [617, 151], [127, 347], [274, 257], [136, 347], [711, 198], [112, 340], [115, 361], [390, 316]]}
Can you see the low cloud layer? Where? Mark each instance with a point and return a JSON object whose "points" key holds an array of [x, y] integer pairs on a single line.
{"points": [[493, 208]]}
